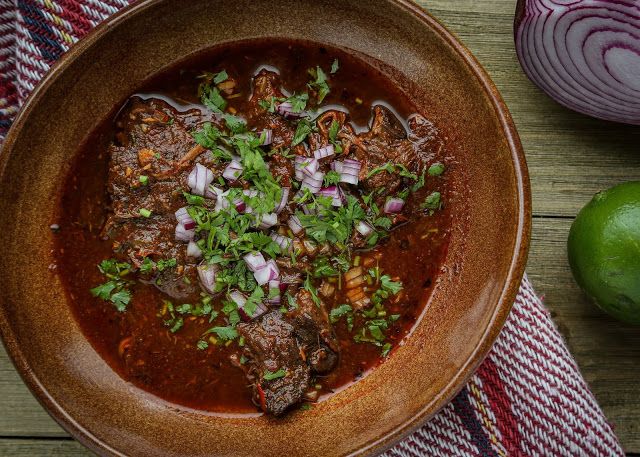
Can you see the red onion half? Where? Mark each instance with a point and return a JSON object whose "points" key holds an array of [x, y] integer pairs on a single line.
{"points": [[583, 53]]}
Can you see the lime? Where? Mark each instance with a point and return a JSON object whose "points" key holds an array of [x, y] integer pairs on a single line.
{"points": [[604, 250]]}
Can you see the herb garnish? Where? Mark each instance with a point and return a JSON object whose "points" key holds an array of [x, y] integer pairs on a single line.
{"points": [[270, 376], [114, 290]]}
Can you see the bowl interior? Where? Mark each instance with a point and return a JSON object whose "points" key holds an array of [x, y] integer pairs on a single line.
{"points": [[480, 275]]}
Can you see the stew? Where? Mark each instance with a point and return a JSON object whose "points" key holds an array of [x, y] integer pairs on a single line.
{"points": [[259, 226]]}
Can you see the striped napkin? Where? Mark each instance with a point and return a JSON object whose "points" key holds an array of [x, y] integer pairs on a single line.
{"points": [[526, 399]]}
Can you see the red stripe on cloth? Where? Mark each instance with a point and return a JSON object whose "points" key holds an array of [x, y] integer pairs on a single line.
{"points": [[500, 405]]}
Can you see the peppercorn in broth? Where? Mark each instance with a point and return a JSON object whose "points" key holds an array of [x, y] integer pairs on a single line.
{"points": [[256, 228]]}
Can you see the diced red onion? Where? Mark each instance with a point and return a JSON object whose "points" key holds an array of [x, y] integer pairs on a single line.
{"points": [[334, 192], [268, 220], [274, 292], [232, 171], [349, 178], [182, 214], [182, 234], [299, 162], [241, 300], [193, 250], [267, 273], [349, 171], [222, 202], [364, 228], [283, 200], [241, 206], [306, 209], [254, 261], [209, 193], [311, 166], [313, 183], [284, 242], [322, 153], [286, 109], [310, 247], [267, 134], [238, 298], [188, 223], [261, 308], [207, 276], [584, 54], [199, 178], [294, 224], [393, 205], [336, 166]]}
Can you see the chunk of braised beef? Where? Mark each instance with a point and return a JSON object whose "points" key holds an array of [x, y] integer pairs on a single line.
{"points": [[386, 142], [153, 138], [266, 88], [314, 331], [271, 346]]}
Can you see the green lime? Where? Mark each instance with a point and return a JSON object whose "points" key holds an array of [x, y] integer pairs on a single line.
{"points": [[604, 250]]}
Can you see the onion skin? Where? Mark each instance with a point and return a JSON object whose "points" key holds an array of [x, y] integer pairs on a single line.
{"points": [[585, 54]]}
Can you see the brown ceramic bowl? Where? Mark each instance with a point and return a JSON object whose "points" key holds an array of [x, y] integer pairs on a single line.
{"points": [[482, 270]]}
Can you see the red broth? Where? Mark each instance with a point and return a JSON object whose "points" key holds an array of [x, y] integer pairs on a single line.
{"points": [[136, 343]]}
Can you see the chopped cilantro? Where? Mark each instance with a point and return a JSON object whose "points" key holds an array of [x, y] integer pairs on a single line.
{"points": [[390, 286], [298, 102], [432, 202], [202, 345], [386, 349], [147, 265], [333, 130], [388, 167], [114, 290], [419, 184], [302, 131], [251, 305], [337, 313], [436, 169], [176, 325], [312, 290], [208, 136], [144, 180], [220, 77], [335, 66], [162, 265], [331, 178], [224, 333], [270, 376], [319, 84], [194, 199], [212, 99], [268, 104]]}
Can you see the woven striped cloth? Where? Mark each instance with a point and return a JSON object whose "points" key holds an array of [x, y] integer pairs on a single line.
{"points": [[526, 399]]}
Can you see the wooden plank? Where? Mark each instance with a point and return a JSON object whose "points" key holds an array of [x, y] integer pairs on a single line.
{"points": [[21, 414], [607, 351], [42, 448]]}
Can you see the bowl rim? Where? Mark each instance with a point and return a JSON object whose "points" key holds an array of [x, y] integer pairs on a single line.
{"points": [[494, 325]]}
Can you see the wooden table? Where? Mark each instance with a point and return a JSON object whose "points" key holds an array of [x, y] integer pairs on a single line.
{"points": [[570, 158]]}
